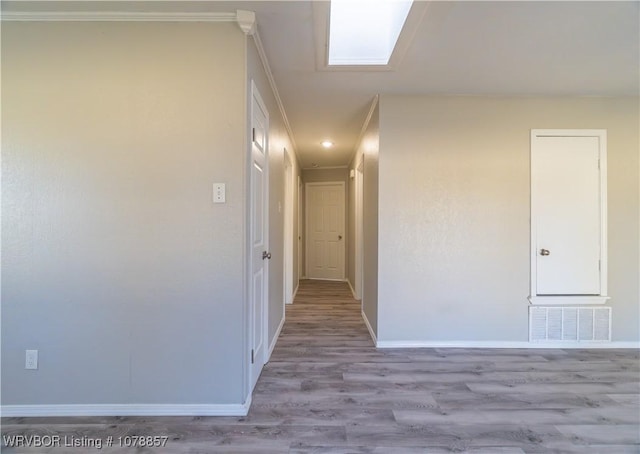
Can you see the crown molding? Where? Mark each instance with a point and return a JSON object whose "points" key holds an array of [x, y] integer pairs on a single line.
{"points": [[246, 21], [115, 16], [267, 69]]}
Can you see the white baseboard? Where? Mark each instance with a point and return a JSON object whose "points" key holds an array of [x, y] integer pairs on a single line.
{"points": [[501, 344], [275, 339], [353, 292], [127, 410], [371, 332], [323, 279]]}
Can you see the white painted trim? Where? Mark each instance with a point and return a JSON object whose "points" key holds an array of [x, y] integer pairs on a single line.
{"points": [[567, 300], [353, 292], [506, 344], [359, 228], [325, 168], [274, 341], [323, 279], [276, 94], [371, 332], [288, 229], [127, 410], [571, 299], [246, 21], [363, 129], [295, 292], [115, 16]]}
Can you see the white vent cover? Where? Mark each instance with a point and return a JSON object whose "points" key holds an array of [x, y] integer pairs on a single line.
{"points": [[558, 324]]}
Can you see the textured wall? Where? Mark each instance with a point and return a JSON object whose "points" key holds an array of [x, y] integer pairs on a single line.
{"points": [[278, 142], [116, 264], [454, 213], [368, 151]]}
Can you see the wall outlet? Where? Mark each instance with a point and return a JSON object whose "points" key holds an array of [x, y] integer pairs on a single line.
{"points": [[219, 193], [31, 359]]}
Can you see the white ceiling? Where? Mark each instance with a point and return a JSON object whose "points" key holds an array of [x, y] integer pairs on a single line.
{"points": [[574, 48]]}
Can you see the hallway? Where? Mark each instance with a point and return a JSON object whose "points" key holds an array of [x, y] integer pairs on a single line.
{"points": [[328, 390]]}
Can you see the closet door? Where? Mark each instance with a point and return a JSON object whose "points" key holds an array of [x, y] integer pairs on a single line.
{"points": [[568, 215]]}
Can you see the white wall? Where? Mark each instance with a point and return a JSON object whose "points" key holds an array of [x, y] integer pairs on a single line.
{"points": [[116, 264], [454, 213]]}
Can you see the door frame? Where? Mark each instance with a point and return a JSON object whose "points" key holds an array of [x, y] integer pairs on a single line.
{"points": [[359, 229], [344, 234], [301, 232], [249, 361], [570, 299], [288, 284]]}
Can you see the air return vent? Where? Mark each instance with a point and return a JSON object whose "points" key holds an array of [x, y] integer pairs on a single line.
{"points": [[569, 324]]}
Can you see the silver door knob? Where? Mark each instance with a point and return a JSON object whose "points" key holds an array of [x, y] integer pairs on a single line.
{"points": [[544, 252], [266, 255]]}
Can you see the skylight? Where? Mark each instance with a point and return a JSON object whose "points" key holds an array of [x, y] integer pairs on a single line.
{"points": [[365, 32]]}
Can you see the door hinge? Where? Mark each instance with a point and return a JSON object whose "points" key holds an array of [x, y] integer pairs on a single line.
{"points": [[252, 357], [598, 164], [253, 135], [599, 265]]}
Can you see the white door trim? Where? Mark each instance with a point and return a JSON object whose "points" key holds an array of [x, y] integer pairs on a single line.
{"points": [[577, 299], [359, 212], [306, 195], [301, 233], [288, 228], [259, 359]]}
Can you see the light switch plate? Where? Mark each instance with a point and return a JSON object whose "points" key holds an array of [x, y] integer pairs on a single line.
{"points": [[219, 193]]}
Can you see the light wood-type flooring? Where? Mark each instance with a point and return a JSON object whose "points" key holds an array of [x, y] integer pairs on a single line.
{"points": [[327, 389]]}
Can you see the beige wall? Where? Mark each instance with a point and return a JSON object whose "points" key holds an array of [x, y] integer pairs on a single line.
{"points": [[323, 175], [116, 265], [367, 153], [279, 141], [454, 213]]}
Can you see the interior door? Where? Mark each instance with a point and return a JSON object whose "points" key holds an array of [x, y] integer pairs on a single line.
{"points": [[325, 230], [567, 195], [259, 220]]}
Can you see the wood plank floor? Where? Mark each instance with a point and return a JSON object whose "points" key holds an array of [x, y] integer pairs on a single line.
{"points": [[328, 390]]}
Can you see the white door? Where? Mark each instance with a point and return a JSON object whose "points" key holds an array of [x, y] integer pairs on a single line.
{"points": [[325, 230], [566, 214], [259, 222]]}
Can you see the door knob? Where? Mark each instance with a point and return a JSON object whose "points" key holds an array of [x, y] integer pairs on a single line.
{"points": [[339, 237], [544, 252], [266, 255]]}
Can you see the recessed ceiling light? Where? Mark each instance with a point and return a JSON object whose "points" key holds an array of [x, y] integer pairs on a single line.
{"points": [[327, 144]]}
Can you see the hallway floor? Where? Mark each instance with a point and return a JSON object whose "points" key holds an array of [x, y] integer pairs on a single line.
{"points": [[328, 390]]}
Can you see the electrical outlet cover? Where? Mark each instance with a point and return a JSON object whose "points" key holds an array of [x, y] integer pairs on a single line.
{"points": [[31, 359]]}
